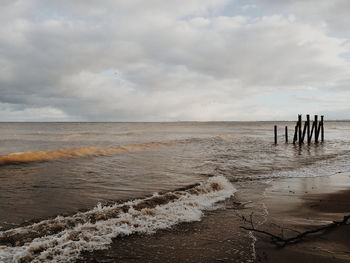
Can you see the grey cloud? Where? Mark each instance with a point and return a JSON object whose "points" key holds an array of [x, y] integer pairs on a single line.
{"points": [[183, 61], [332, 14]]}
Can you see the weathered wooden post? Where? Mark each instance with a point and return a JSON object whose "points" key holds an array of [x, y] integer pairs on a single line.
{"points": [[275, 134], [316, 128], [312, 131], [304, 132], [322, 129], [286, 133], [308, 128], [295, 134], [299, 128]]}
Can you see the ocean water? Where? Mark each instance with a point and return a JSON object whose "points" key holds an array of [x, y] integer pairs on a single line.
{"points": [[106, 180]]}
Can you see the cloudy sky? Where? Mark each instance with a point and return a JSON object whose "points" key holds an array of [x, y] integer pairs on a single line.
{"points": [[170, 60]]}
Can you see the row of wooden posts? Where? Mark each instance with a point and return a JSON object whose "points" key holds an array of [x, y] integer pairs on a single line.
{"points": [[309, 130]]}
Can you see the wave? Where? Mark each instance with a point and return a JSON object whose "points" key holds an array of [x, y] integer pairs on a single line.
{"points": [[323, 166], [27, 157], [225, 137], [40, 156], [62, 239]]}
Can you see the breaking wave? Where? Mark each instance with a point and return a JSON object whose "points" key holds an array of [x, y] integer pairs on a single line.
{"points": [[41, 156], [63, 238], [27, 157]]}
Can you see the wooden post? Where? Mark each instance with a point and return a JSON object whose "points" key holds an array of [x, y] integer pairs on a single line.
{"points": [[275, 134], [295, 134], [304, 132], [312, 131], [299, 128], [308, 128], [316, 129], [322, 129], [286, 133]]}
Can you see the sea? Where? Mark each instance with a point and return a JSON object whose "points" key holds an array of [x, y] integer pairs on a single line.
{"points": [[66, 188]]}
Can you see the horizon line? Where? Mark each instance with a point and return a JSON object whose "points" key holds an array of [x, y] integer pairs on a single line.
{"points": [[331, 120]]}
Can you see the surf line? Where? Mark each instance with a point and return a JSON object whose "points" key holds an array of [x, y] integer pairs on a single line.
{"points": [[41, 156], [63, 239]]}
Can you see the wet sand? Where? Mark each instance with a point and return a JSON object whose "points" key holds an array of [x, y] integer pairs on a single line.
{"points": [[216, 238], [303, 204], [297, 203]]}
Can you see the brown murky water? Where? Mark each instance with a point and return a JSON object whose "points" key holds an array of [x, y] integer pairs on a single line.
{"points": [[47, 169]]}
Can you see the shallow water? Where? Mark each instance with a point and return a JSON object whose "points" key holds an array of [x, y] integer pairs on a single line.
{"points": [[48, 169]]}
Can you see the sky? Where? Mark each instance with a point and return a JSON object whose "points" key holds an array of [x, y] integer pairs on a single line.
{"points": [[167, 60]]}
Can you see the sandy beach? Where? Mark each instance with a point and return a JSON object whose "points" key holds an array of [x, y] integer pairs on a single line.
{"points": [[294, 204], [302, 204]]}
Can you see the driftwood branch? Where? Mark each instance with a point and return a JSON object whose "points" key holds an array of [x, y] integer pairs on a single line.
{"points": [[281, 242]]}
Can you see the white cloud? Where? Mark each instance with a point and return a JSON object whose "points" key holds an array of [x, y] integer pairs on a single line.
{"points": [[332, 15], [175, 60], [10, 112]]}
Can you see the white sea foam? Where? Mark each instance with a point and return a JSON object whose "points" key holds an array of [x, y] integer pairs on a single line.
{"points": [[338, 164], [95, 229]]}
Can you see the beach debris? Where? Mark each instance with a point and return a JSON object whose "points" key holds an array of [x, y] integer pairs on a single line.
{"points": [[280, 241]]}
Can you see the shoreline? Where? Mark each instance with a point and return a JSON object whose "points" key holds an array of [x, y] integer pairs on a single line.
{"points": [[283, 207], [287, 202], [303, 204]]}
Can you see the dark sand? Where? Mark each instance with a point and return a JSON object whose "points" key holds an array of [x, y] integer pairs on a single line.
{"points": [[302, 204], [216, 238], [296, 203]]}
